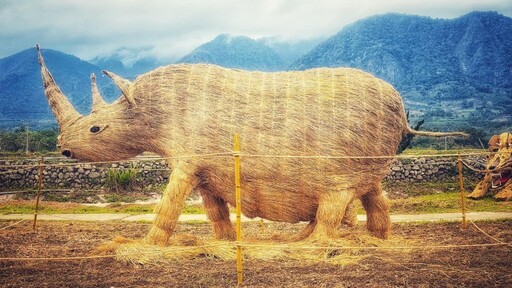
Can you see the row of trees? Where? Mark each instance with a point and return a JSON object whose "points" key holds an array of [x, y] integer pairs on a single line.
{"points": [[23, 139]]}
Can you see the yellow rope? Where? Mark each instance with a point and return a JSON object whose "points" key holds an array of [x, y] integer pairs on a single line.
{"points": [[230, 154], [491, 237], [376, 247], [220, 154], [72, 258], [246, 245], [13, 224], [57, 258], [357, 157], [474, 169]]}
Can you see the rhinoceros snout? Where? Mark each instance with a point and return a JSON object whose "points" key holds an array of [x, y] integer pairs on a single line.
{"points": [[67, 153]]}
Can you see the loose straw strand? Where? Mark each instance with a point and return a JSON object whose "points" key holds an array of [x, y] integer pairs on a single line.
{"points": [[269, 246]]}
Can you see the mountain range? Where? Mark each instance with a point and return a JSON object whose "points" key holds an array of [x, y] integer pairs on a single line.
{"points": [[266, 54], [22, 95], [454, 73]]}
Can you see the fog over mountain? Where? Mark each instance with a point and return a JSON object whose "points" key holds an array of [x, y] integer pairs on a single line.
{"points": [[236, 52], [454, 73]]}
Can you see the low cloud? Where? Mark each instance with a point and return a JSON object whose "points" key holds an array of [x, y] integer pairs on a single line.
{"points": [[173, 28]]}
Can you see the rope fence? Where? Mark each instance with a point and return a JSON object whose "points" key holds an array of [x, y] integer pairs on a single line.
{"points": [[236, 244], [47, 190], [244, 155], [239, 244]]}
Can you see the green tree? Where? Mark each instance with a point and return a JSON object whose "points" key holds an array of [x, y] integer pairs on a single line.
{"points": [[16, 140], [477, 138]]}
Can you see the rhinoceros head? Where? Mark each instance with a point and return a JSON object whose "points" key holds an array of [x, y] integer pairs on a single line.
{"points": [[106, 134]]}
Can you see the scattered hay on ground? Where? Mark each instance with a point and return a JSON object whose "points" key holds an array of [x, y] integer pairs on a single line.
{"points": [[343, 251]]}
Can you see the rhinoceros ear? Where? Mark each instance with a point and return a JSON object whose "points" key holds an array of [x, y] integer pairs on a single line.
{"points": [[124, 85], [97, 100]]}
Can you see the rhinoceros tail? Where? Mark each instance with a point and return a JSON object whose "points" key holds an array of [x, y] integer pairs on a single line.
{"points": [[409, 130]]}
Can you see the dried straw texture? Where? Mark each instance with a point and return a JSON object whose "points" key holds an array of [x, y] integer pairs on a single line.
{"points": [[505, 194], [482, 188], [195, 109], [348, 250], [499, 167], [183, 110]]}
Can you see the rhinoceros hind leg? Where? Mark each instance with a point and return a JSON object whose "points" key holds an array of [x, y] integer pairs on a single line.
{"points": [[377, 212], [168, 210], [218, 212], [330, 213], [350, 217]]}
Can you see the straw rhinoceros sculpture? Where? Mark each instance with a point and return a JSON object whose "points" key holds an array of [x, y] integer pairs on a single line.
{"points": [[285, 121]]}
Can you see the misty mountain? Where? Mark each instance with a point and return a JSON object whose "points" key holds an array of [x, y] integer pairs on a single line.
{"points": [[454, 73], [290, 51], [409, 50], [128, 63], [457, 71], [21, 89], [236, 52]]}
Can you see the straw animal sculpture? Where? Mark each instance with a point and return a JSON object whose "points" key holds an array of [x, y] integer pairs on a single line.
{"points": [[498, 179], [182, 110]]}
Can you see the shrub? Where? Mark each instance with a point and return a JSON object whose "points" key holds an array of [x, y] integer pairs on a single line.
{"points": [[122, 179]]}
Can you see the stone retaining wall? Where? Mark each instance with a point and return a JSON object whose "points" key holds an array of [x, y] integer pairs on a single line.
{"points": [[25, 174], [424, 169], [59, 173]]}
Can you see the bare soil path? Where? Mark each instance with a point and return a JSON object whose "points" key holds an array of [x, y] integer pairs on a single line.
{"points": [[467, 259]]}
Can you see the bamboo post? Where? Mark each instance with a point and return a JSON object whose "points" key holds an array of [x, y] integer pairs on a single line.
{"points": [[462, 196], [39, 188], [26, 141], [238, 199], [262, 225]]}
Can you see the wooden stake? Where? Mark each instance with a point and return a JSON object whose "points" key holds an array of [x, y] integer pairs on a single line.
{"points": [[262, 225], [39, 188], [238, 199], [26, 141], [462, 194]]}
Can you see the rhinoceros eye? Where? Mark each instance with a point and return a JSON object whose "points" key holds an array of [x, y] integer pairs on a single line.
{"points": [[95, 129]]}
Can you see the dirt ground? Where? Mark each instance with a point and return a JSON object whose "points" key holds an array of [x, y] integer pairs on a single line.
{"points": [[479, 266]]}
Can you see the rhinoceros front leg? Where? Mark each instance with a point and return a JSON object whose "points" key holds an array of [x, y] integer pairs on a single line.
{"points": [[481, 188], [181, 183], [377, 212]]}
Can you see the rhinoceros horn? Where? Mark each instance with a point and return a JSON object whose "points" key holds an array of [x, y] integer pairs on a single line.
{"points": [[97, 100], [61, 107], [124, 85]]}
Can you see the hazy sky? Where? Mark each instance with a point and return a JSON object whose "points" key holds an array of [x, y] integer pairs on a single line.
{"points": [[170, 28]]}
